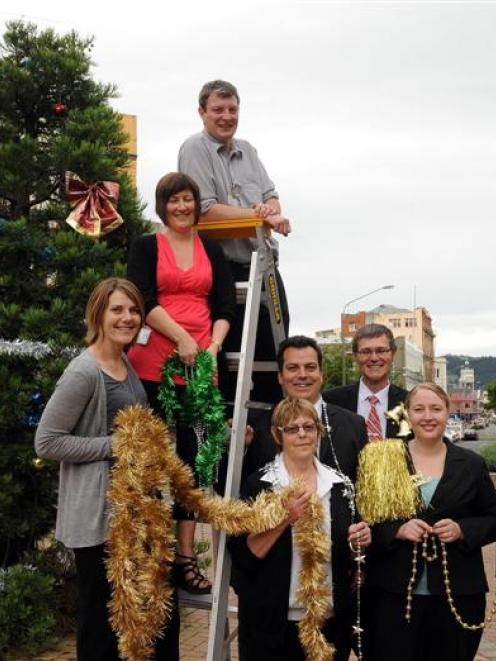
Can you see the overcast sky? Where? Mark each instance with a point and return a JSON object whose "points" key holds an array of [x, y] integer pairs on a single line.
{"points": [[376, 120]]}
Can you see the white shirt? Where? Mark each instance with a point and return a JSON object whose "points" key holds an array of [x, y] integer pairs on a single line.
{"points": [[277, 475], [318, 409], [382, 405]]}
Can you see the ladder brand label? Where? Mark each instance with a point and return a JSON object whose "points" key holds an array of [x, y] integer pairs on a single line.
{"points": [[275, 298]]}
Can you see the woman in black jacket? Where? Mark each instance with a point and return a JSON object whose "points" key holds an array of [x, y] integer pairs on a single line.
{"points": [[189, 299], [428, 573], [266, 565]]}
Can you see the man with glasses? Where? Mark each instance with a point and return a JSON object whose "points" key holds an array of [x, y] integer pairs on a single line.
{"points": [[373, 349], [300, 375], [234, 185]]}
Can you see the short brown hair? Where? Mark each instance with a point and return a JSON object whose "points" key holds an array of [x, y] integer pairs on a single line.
{"points": [[289, 409], [220, 87], [428, 385], [171, 184], [370, 331], [99, 300], [298, 342]]}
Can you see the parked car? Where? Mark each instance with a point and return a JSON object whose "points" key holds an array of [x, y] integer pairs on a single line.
{"points": [[454, 430], [470, 435]]}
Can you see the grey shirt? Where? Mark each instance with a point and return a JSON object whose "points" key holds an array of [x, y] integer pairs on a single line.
{"points": [[73, 430], [119, 395], [235, 177]]}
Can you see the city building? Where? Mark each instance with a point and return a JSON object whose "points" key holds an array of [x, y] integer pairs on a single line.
{"points": [[328, 336], [129, 123], [441, 372], [408, 366], [467, 402], [467, 377]]}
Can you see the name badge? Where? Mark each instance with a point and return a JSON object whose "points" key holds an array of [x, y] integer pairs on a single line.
{"points": [[144, 335]]}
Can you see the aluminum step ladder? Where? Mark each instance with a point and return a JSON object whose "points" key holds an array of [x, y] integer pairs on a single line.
{"points": [[262, 272]]}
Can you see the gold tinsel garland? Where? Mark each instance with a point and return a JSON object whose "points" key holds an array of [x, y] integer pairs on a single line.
{"points": [[385, 489], [141, 540], [313, 591]]}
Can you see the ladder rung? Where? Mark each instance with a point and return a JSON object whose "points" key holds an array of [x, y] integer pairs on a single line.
{"points": [[201, 601], [255, 406], [259, 406], [242, 290], [233, 357]]}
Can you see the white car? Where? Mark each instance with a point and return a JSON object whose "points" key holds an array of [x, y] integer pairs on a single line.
{"points": [[454, 430]]}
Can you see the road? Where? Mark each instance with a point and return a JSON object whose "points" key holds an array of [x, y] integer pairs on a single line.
{"points": [[486, 437]]}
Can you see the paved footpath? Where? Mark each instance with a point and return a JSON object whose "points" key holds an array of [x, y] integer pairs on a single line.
{"points": [[194, 631]]}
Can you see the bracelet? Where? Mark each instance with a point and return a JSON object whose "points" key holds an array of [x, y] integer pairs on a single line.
{"points": [[218, 344]]}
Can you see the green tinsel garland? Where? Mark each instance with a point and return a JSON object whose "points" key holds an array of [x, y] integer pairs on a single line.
{"points": [[202, 409]]}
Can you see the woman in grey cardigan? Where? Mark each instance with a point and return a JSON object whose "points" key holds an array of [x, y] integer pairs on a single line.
{"points": [[76, 430]]}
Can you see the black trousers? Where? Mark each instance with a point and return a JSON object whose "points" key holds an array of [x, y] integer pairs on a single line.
{"points": [[266, 387], [433, 633], [336, 630], [186, 445], [95, 639]]}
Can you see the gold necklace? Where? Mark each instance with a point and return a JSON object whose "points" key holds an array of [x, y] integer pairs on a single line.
{"points": [[444, 561]]}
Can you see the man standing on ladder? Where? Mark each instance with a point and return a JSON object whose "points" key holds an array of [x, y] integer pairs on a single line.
{"points": [[235, 185]]}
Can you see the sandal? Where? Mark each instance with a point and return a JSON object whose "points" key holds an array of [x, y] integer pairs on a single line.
{"points": [[188, 575]]}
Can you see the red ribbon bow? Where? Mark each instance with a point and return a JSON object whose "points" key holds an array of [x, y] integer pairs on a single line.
{"points": [[94, 210]]}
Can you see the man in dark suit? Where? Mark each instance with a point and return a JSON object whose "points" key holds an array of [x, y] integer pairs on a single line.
{"points": [[300, 375], [373, 349]]}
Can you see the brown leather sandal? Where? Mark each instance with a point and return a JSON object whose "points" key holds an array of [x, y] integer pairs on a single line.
{"points": [[188, 575]]}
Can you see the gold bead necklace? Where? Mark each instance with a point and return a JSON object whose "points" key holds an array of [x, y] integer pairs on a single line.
{"points": [[444, 561]]}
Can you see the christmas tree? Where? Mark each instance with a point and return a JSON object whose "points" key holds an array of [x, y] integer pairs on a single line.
{"points": [[54, 118]]}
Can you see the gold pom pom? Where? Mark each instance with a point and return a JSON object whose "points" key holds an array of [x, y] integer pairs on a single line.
{"points": [[385, 489]]}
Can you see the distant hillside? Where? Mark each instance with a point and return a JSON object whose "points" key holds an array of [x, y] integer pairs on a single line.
{"points": [[484, 366]]}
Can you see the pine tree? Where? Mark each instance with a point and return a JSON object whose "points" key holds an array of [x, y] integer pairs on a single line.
{"points": [[53, 118]]}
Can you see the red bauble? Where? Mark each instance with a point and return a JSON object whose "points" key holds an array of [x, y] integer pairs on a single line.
{"points": [[59, 108]]}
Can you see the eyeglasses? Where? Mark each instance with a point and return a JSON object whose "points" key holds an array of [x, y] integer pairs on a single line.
{"points": [[369, 352], [293, 430]]}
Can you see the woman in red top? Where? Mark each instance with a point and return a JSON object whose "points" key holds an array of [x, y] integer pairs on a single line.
{"points": [[190, 302]]}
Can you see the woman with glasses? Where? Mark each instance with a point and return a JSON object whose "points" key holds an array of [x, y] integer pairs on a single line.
{"points": [[427, 573], [266, 565]]}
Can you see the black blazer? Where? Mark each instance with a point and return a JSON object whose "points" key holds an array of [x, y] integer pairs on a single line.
{"points": [[465, 494], [142, 270], [348, 437], [347, 398], [262, 585]]}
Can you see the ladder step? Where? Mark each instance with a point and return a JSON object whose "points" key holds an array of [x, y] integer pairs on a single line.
{"points": [[255, 406], [233, 357], [201, 601], [259, 406], [242, 290]]}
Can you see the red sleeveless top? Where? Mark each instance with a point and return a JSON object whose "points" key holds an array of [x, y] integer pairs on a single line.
{"points": [[184, 295]]}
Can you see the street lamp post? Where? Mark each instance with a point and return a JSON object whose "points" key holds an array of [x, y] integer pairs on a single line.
{"points": [[343, 343]]}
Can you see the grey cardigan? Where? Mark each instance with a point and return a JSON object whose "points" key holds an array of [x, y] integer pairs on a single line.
{"points": [[73, 430]]}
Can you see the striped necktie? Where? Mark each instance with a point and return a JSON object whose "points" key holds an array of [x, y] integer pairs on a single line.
{"points": [[374, 428]]}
